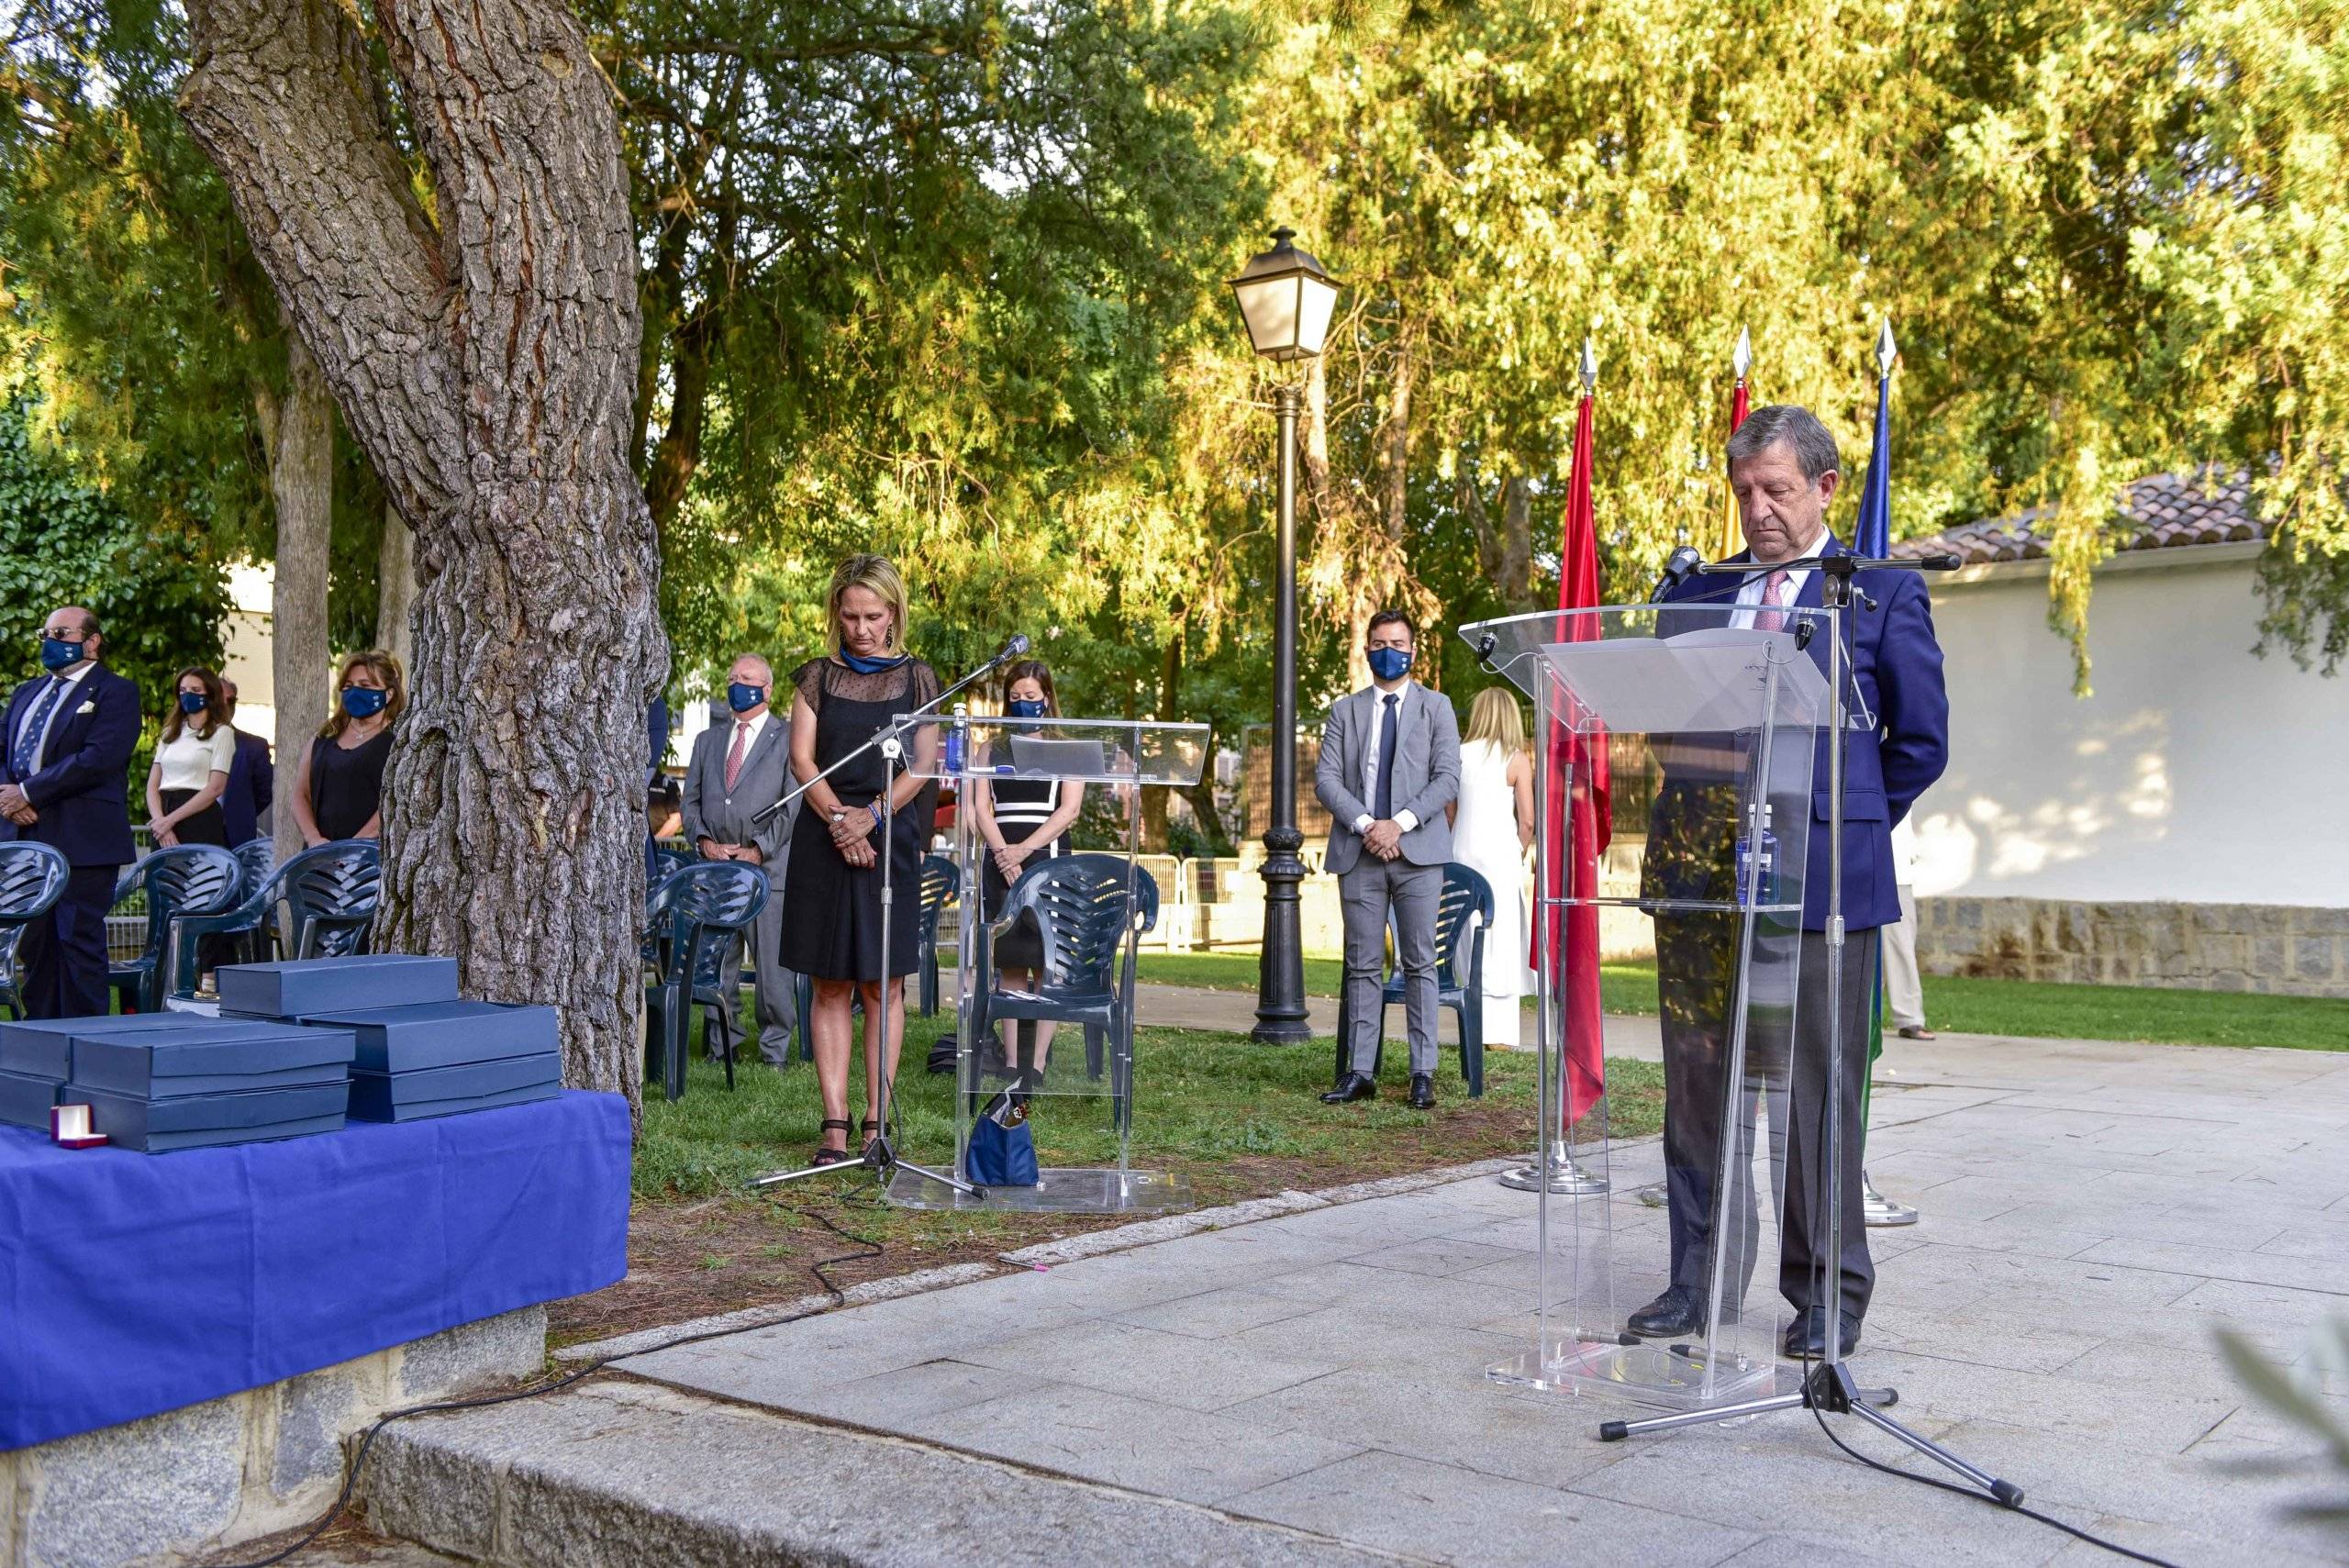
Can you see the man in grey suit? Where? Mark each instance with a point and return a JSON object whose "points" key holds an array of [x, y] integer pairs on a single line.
{"points": [[1390, 764], [739, 769]]}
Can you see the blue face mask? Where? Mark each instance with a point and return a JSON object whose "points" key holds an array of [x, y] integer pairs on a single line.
{"points": [[56, 653], [190, 702], [1022, 707], [864, 666], [1390, 663], [363, 702], [742, 698]]}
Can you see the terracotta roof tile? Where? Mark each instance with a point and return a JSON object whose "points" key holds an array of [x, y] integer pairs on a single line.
{"points": [[2163, 511]]}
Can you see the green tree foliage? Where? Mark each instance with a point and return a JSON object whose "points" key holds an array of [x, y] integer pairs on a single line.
{"points": [[62, 543]]}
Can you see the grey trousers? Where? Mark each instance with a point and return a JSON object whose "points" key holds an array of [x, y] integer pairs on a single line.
{"points": [[776, 991], [1366, 894]]}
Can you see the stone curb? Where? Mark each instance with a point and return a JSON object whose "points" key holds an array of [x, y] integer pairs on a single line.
{"points": [[619, 1474], [647, 1339]]}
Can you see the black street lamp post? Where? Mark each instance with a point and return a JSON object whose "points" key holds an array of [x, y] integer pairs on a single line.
{"points": [[1286, 299]]}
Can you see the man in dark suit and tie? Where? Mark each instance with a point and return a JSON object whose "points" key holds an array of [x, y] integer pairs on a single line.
{"points": [[1784, 469], [252, 780], [1390, 764], [740, 768], [63, 776]]}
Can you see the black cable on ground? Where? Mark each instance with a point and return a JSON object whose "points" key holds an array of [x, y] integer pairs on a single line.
{"points": [[1820, 1295], [866, 1248]]}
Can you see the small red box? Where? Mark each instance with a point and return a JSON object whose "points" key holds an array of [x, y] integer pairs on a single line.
{"points": [[69, 1127]]}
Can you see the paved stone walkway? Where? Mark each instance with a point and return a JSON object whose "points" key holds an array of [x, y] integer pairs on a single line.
{"points": [[1310, 1386]]}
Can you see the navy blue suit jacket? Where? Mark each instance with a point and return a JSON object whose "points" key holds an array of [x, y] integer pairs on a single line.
{"points": [[1895, 674], [253, 784], [80, 789]]}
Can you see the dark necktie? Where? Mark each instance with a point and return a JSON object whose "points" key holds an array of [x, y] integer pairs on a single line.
{"points": [[28, 737], [1383, 809]]}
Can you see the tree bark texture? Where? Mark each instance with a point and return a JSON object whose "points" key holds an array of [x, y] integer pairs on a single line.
{"points": [[395, 588], [486, 357], [300, 430]]}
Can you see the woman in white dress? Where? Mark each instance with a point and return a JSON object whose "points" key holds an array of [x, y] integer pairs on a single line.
{"points": [[1492, 829]]}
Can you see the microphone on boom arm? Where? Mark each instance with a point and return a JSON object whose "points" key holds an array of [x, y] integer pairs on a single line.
{"points": [[1681, 562]]}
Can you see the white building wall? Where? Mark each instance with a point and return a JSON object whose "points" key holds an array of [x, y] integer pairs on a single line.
{"points": [[2197, 772]]}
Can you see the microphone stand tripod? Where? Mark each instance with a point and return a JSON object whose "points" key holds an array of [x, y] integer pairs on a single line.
{"points": [[1828, 1386], [880, 1156]]}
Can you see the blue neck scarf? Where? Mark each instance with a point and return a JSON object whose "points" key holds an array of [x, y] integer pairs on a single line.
{"points": [[864, 666]]}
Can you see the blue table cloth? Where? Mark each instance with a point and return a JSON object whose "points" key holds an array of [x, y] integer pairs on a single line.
{"points": [[132, 1284]]}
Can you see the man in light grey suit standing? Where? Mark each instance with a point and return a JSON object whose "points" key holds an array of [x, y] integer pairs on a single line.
{"points": [[1390, 764], [739, 769]]}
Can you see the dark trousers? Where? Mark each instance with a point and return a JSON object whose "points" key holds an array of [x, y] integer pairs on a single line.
{"points": [[64, 951], [1711, 1126]]}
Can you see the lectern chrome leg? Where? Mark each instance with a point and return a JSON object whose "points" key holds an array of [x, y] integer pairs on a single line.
{"points": [[1881, 1212], [1568, 1176]]}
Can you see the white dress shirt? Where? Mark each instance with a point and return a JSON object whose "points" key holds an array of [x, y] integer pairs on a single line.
{"points": [[1749, 593], [57, 710], [1403, 819]]}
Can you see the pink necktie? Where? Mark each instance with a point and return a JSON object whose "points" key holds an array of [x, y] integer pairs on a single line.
{"points": [[734, 757], [1771, 615]]}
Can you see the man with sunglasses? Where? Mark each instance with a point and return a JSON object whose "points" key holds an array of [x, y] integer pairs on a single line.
{"points": [[65, 765]]}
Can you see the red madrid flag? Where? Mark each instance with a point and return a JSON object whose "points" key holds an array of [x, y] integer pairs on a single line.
{"points": [[1579, 828]]}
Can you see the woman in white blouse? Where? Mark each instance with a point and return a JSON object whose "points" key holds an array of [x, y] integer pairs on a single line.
{"points": [[191, 765]]}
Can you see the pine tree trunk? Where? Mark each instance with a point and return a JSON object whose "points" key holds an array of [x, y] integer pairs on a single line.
{"points": [[486, 357], [301, 481], [395, 588]]}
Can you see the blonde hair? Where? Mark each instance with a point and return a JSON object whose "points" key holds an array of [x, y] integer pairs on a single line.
{"points": [[1494, 717], [385, 667], [877, 574]]}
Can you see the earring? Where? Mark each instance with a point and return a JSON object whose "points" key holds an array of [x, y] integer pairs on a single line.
{"points": [[889, 638]]}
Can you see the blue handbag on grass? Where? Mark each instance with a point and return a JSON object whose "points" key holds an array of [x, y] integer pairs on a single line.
{"points": [[1001, 1156]]}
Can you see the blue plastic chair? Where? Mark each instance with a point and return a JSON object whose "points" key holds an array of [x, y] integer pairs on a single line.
{"points": [[32, 879], [259, 857], [941, 881], [1084, 915], [192, 878], [705, 907], [330, 893], [1459, 987]]}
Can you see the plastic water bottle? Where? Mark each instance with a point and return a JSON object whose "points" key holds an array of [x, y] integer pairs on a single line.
{"points": [[956, 733], [1765, 877]]}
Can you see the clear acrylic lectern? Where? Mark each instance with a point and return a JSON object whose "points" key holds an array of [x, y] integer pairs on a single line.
{"points": [[1701, 731], [1065, 1033]]}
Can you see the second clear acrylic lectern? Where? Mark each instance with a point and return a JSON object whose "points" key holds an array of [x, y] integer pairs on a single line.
{"points": [[1663, 1137], [1039, 1035]]}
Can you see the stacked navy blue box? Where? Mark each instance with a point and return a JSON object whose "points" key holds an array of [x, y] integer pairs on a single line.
{"points": [[37, 1058], [157, 1082], [421, 1052]]}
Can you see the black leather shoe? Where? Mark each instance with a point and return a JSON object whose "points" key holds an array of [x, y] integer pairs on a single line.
{"points": [[1351, 1088], [1807, 1335], [1677, 1311], [1423, 1091]]}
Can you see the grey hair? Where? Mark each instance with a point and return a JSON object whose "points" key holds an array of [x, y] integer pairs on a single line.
{"points": [[758, 659], [1798, 428]]}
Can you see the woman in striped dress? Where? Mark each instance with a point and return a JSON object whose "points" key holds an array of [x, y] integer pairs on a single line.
{"points": [[1023, 821]]}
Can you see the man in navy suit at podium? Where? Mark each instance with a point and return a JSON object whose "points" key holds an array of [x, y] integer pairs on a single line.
{"points": [[1784, 469], [63, 770]]}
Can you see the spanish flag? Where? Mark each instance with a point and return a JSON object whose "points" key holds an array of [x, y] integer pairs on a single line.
{"points": [[1732, 536], [1580, 818]]}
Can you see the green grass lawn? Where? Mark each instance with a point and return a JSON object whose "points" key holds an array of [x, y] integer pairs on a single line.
{"points": [[2027, 1008], [1235, 1117]]}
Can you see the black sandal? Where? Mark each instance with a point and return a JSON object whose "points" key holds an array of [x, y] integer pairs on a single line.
{"points": [[870, 1128], [826, 1156]]}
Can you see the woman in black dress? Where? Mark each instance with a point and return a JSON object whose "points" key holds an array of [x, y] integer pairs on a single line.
{"points": [[832, 887], [338, 794], [1023, 821]]}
